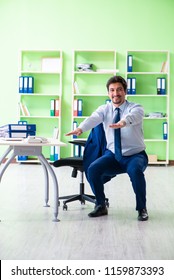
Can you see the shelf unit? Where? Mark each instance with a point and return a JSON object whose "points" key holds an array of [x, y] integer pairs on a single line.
{"points": [[90, 86], [147, 67], [45, 66]]}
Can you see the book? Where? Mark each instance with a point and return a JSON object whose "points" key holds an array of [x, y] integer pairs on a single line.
{"points": [[21, 109], [55, 133], [56, 107], [52, 108], [76, 88], [26, 111], [75, 107], [164, 68]]}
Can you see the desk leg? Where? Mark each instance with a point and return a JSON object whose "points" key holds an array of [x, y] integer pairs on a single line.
{"points": [[56, 189], [6, 165], [5, 154], [46, 185]]}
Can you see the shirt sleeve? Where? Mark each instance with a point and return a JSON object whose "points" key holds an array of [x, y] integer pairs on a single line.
{"points": [[96, 118], [134, 115]]}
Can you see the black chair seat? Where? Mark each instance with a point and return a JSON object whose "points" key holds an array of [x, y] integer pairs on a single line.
{"points": [[75, 162]]}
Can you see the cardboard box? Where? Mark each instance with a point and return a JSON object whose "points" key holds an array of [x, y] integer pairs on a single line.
{"points": [[152, 158]]}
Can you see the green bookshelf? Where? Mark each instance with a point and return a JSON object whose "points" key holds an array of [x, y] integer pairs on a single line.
{"points": [[147, 67], [45, 66]]}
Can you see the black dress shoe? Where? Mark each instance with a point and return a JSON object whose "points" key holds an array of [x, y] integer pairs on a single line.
{"points": [[143, 215], [98, 211]]}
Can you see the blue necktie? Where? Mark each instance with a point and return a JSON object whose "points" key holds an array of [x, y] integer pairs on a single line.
{"points": [[117, 137]]}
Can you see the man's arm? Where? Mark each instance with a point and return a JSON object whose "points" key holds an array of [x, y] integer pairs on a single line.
{"points": [[78, 131]]}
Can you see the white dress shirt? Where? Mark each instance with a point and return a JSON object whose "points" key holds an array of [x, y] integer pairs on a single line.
{"points": [[132, 138]]}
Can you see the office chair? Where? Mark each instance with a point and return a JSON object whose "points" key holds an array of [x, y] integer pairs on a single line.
{"points": [[77, 164]]}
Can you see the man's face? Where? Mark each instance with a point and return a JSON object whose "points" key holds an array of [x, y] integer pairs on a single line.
{"points": [[117, 94]]}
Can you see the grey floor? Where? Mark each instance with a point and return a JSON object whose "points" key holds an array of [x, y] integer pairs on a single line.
{"points": [[27, 231]]}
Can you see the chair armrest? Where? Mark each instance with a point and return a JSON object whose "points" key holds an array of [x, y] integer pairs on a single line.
{"points": [[78, 142]]}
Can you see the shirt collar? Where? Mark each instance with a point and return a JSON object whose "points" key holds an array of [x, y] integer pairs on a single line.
{"points": [[122, 106]]}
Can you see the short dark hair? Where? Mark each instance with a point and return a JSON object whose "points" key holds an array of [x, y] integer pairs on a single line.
{"points": [[117, 79]]}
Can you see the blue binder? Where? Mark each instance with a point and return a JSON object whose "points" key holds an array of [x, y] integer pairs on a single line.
{"points": [[158, 85], [19, 134], [165, 130], [18, 127], [107, 101], [129, 86], [21, 84], [30, 84], [76, 151], [25, 84], [75, 125], [133, 83], [79, 107], [56, 153], [129, 63], [163, 85]]}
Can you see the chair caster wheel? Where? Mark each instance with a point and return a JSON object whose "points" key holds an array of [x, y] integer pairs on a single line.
{"points": [[65, 207], [107, 204], [58, 203], [83, 202]]}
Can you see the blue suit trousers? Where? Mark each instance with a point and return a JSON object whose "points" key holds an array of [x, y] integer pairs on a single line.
{"points": [[107, 165]]}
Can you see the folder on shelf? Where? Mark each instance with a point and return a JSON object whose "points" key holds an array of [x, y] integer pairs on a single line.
{"points": [[52, 153], [75, 125], [129, 86], [165, 130], [21, 84], [79, 107], [25, 84], [75, 109], [133, 83], [76, 150], [55, 133], [26, 111], [52, 107], [107, 101], [164, 68], [163, 86], [56, 153], [30, 84], [129, 63], [76, 88], [56, 107], [21, 109], [158, 85], [82, 151]]}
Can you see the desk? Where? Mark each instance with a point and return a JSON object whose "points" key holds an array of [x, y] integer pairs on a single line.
{"points": [[34, 149]]}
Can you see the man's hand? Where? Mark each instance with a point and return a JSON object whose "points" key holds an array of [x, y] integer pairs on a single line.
{"points": [[119, 124], [77, 132]]}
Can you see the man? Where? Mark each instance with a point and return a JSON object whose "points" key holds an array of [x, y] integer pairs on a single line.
{"points": [[125, 150]]}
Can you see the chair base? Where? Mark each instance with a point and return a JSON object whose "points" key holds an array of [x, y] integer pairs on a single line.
{"points": [[81, 197]]}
